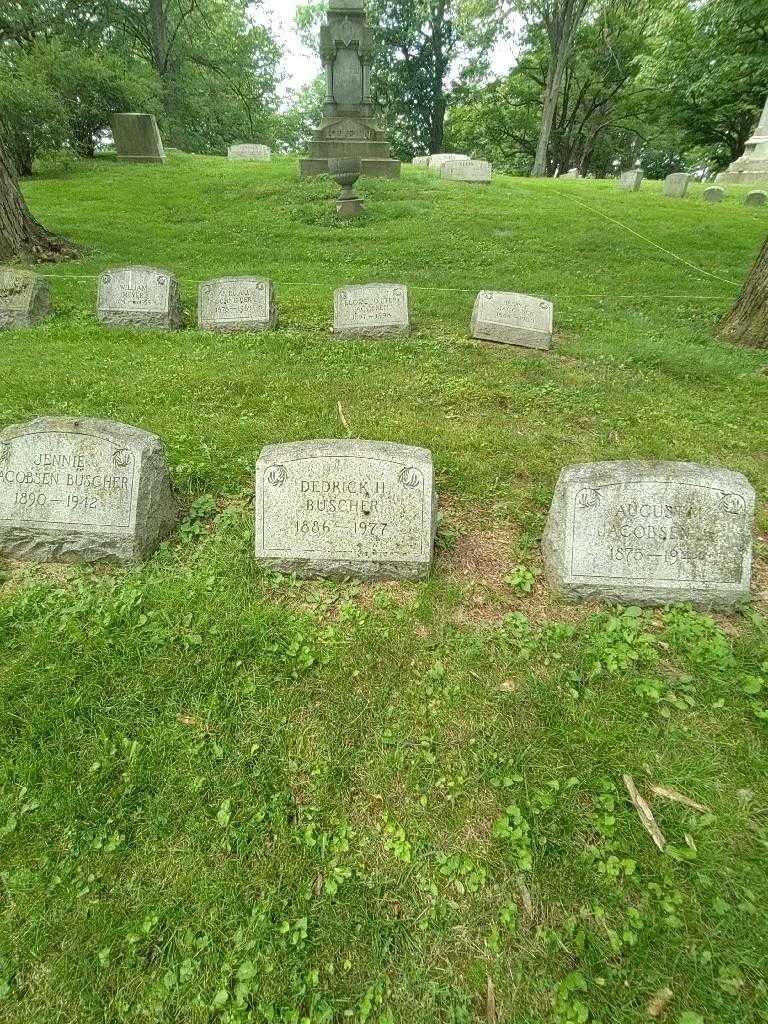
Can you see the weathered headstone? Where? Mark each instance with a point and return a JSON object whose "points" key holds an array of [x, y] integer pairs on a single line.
{"points": [[363, 509], [236, 304], [513, 319], [139, 297], [714, 194], [350, 127], [137, 138], [438, 160], [573, 173], [752, 166], [249, 152], [651, 533], [466, 170], [756, 198], [630, 181], [676, 185], [371, 310], [25, 298], [82, 490], [421, 161]]}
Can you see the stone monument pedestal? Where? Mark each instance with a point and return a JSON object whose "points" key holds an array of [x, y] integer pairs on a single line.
{"points": [[752, 167], [349, 129]]}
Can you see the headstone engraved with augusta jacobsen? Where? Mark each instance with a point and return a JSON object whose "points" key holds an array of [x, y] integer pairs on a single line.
{"points": [[236, 304], [651, 533], [346, 508], [83, 490], [146, 297]]}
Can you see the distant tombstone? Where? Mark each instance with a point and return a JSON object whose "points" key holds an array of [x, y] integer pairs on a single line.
{"points": [[714, 194], [630, 181], [438, 160], [248, 152], [362, 509], [756, 198], [139, 297], [82, 490], [676, 185], [137, 138], [651, 533], [236, 304], [573, 173], [371, 310], [466, 170], [25, 298], [421, 161], [513, 319]]}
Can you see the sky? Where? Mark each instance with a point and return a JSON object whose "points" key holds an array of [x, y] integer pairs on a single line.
{"points": [[302, 66]]}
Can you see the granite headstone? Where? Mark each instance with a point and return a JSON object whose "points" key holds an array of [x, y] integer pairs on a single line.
{"points": [[756, 198], [676, 185], [249, 152], [344, 508], [236, 304], [371, 310], [137, 138], [714, 194], [25, 298], [139, 297], [630, 181], [651, 533], [513, 319], [82, 490], [467, 170]]}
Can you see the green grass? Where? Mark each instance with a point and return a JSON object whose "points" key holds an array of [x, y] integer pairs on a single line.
{"points": [[231, 797]]}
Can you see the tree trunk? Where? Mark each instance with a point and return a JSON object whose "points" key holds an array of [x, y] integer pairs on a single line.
{"points": [[20, 234], [163, 62], [439, 67], [551, 93], [748, 321]]}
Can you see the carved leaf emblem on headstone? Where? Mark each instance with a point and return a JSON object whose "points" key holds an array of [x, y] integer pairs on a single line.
{"points": [[121, 458], [733, 504], [587, 498], [410, 477], [277, 475]]}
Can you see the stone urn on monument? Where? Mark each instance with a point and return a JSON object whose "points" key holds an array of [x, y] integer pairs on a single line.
{"points": [[349, 129]]}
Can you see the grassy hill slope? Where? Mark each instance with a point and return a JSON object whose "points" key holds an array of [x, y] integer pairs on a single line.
{"points": [[227, 796]]}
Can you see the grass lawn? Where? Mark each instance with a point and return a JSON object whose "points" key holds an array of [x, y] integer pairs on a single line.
{"points": [[232, 797]]}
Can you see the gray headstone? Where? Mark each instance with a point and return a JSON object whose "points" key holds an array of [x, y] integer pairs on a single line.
{"points": [[438, 160], [82, 490], [236, 304], [466, 170], [714, 194], [362, 509], [371, 310], [139, 297], [248, 152], [421, 161], [573, 173], [25, 298], [513, 319], [756, 198], [676, 185], [137, 138], [630, 181], [651, 533]]}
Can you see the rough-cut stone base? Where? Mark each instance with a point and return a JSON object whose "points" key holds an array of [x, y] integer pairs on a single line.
{"points": [[651, 534], [312, 167], [60, 464], [743, 177], [25, 298], [349, 209]]}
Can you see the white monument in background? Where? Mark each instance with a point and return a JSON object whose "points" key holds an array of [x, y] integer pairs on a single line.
{"points": [[752, 167]]}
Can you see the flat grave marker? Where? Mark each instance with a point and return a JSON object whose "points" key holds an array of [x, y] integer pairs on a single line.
{"points": [[82, 490], [651, 533], [236, 304], [249, 152], [513, 319], [371, 311], [139, 297], [345, 508], [25, 298]]}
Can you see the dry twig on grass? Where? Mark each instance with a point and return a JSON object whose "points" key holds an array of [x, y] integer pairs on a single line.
{"points": [[679, 798], [643, 809], [490, 1003]]}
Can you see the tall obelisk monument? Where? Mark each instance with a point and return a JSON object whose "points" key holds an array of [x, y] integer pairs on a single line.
{"points": [[349, 127], [752, 167]]}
